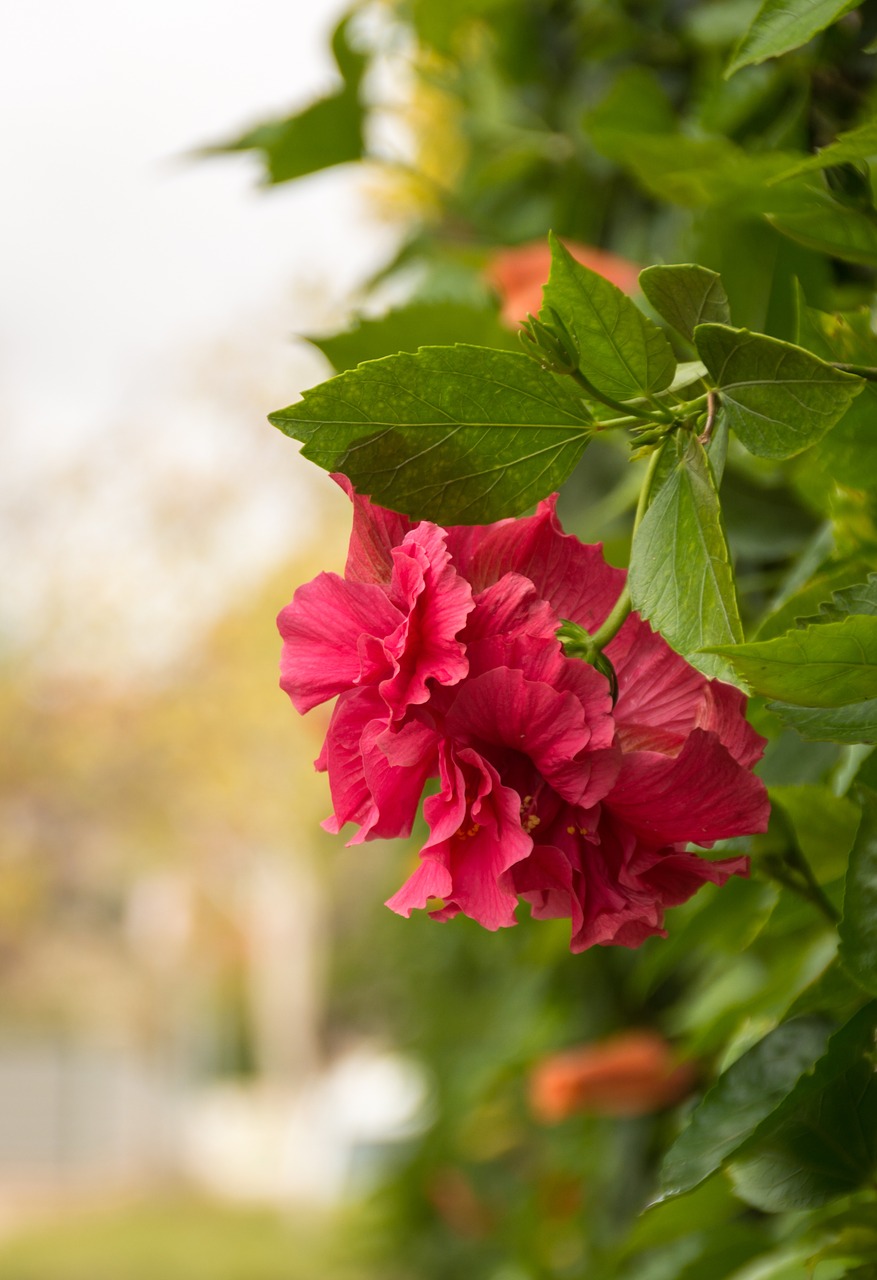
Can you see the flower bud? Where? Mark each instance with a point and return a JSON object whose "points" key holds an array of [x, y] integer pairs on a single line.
{"points": [[630, 1074], [551, 344]]}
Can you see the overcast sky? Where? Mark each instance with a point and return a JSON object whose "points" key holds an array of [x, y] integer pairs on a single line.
{"points": [[113, 248], [122, 260]]}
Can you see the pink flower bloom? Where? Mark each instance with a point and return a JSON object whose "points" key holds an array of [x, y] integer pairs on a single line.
{"points": [[441, 646]]}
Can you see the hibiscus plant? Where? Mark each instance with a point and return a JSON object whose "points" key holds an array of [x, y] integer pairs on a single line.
{"points": [[679, 691]]}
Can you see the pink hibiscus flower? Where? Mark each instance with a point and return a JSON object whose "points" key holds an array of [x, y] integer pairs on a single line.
{"points": [[441, 647]]}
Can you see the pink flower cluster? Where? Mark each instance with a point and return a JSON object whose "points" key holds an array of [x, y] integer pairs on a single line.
{"points": [[440, 645]]}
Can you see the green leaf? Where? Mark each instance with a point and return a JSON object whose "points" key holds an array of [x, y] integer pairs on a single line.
{"points": [[833, 992], [855, 144], [809, 598], [832, 229], [855, 722], [459, 434], [779, 398], [326, 133], [686, 296], [680, 573], [416, 325], [779, 27], [700, 172], [742, 1097], [824, 825], [848, 454], [829, 665], [857, 599], [623, 353], [821, 1142], [858, 928]]}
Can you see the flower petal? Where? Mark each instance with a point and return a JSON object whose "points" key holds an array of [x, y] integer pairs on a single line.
{"points": [[376, 776], [552, 728], [700, 796], [574, 578], [325, 634], [376, 531], [724, 712], [434, 602], [476, 836]]}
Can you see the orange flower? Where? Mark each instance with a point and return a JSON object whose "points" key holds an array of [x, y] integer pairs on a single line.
{"points": [[630, 1074], [518, 274]]}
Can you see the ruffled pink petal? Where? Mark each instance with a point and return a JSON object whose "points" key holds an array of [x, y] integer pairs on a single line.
{"points": [[376, 776], [511, 609], [701, 795], [553, 729], [376, 531], [431, 880], [545, 881], [324, 630], [476, 836], [434, 602], [673, 876], [723, 711], [574, 578]]}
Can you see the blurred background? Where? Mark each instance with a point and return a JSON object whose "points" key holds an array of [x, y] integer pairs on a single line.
{"points": [[219, 1055], [164, 911]]}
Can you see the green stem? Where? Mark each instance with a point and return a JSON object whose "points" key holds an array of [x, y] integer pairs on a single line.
{"points": [[613, 624], [866, 371], [622, 607], [685, 408], [815, 892], [611, 424], [791, 869], [646, 490], [579, 378]]}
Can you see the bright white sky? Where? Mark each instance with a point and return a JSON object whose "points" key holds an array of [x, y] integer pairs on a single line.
{"points": [[122, 262]]}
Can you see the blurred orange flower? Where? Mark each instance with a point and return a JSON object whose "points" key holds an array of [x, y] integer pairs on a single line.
{"points": [[630, 1074], [518, 274]]}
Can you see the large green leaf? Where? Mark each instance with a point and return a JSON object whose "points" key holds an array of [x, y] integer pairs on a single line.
{"points": [[686, 296], [779, 27], [416, 325], [855, 722], [623, 353], [680, 573], [829, 665], [858, 928], [459, 435], [740, 1100], [831, 228], [821, 1142], [779, 398]]}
